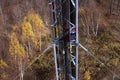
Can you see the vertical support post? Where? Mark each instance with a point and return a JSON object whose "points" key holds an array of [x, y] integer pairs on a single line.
{"points": [[76, 39], [55, 60]]}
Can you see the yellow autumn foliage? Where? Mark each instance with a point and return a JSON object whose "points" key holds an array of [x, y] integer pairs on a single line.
{"points": [[84, 11], [37, 24], [15, 48], [3, 64], [87, 75], [14, 28], [4, 76], [31, 30], [36, 27], [81, 11], [27, 31], [35, 20]]}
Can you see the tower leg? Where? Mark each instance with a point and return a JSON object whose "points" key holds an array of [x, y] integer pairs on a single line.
{"points": [[55, 60]]}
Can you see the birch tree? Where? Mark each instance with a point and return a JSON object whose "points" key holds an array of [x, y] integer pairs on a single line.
{"points": [[38, 26], [27, 34], [17, 53]]}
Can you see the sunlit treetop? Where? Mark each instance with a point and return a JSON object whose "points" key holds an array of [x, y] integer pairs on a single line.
{"points": [[35, 20], [37, 23], [27, 31]]}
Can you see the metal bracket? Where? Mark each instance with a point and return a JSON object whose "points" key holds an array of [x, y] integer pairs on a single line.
{"points": [[73, 59]]}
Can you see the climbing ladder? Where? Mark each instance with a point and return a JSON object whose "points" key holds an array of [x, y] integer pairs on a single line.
{"points": [[64, 26]]}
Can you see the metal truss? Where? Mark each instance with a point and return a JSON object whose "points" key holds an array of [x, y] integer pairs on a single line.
{"points": [[64, 26]]}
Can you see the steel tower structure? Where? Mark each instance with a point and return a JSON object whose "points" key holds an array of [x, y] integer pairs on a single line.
{"points": [[64, 27]]}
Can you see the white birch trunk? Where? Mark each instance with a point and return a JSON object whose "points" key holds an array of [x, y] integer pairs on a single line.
{"points": [[1, 13], [98, 21], [29, 49], [21, 69]]}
